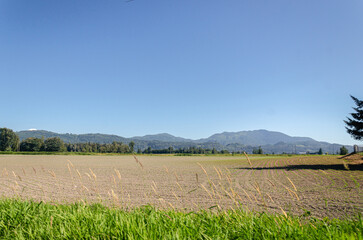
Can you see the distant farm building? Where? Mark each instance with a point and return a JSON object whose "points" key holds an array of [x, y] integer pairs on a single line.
{"points": [[358, 149]]}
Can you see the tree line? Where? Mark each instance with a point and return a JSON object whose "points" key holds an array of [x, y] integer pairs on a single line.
{"points": [[9, 141]]}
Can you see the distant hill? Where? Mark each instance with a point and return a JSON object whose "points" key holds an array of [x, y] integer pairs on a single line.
{"points": [[72, 138], [271, 142], [164, 137], [255, 138]]}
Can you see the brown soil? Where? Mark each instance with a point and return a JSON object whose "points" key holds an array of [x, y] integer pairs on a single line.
{"points": [[322, 185], [355, 159]]}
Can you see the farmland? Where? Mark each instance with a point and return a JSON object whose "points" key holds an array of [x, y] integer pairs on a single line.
{"points": [[318, 185]]}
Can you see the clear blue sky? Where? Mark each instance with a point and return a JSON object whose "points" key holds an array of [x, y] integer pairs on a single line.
{"points": [[190, 68]]}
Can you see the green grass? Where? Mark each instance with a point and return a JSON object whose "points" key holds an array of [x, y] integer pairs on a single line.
{"points": [[21, 219]]}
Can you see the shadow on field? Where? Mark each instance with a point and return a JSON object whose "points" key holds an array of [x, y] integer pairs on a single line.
{"points": [[353, 167]]}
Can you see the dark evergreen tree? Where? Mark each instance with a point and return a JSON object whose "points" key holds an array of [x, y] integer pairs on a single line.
{"points": [[320, 152], [257, 151], [354, 125], [343, 151], [132, 145], [171, 149]]}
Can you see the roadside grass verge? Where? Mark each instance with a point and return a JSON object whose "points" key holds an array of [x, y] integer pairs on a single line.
{"points": [[21, 219]]}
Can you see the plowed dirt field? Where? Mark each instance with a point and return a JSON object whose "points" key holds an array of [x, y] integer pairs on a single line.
{"points": [[322, 185]]}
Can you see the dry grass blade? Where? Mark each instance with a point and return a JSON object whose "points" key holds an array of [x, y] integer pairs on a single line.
{"points": [[137, 161], [346, 166], [181, 189], [233, 192], [229, 180], [118, 174], [257, 187], [247, 195], [176, 197], [229, 172], [154, 190], [142, 166], [114, 180], [249, 161], [79, 174], [93, 174], [171, 205], [313, 225], [52, 173], [69, 169], [70, 163], [176, 176], [89, 176], [292, 193], [228, 194], [271, 182], [215, 187], [292, 183], [282, 210], [114, 195], [200, 165], [154, 185], [219, 175], [270, 197], [207, 191]]}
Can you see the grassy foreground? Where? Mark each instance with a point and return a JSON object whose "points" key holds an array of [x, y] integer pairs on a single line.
{"points": [[32, 220]]}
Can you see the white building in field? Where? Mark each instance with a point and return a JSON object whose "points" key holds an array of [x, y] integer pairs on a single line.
{"points": [[358, 149]]}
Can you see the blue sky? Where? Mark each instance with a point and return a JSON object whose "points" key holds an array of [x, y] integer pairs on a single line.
{"points": [[189, 68]]}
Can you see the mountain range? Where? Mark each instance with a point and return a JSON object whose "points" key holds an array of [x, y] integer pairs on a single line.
{"points": [[269, 141]]}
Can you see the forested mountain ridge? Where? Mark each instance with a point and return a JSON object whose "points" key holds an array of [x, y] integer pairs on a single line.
{"points": [[255, 137], [72, 138], [164, 137]]}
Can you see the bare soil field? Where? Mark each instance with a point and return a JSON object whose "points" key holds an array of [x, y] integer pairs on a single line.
{"points": [[323, 185]]}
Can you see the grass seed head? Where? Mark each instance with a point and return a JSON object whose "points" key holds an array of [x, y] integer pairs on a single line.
{"points": [[93, 174], [118, 174], [79, 174], [249, 161], [70, 163]]}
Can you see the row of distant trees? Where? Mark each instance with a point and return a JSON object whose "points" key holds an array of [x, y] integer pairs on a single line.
{"points": [[9, 141]]}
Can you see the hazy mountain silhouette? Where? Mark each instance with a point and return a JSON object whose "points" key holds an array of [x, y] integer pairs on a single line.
{"points": [[270, 141]]}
